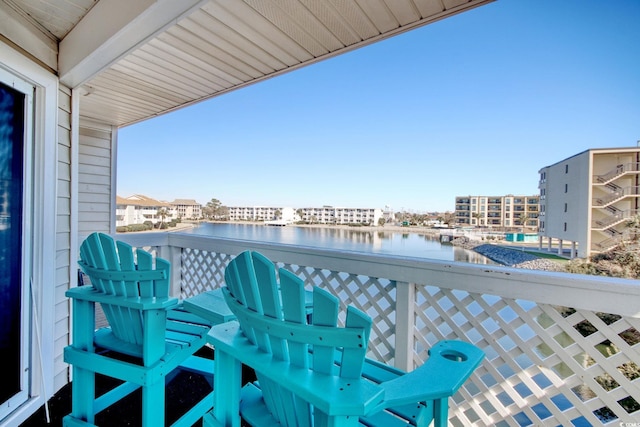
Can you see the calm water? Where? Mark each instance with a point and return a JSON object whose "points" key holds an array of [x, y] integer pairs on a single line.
{"points": [[383, 242]]}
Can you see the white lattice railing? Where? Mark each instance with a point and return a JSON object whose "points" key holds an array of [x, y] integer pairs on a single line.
{"points": [[561, 349]]}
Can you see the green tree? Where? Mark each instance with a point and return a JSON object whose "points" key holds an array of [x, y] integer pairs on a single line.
{"points": [[214, 209], [477, 216], [449, 218], [522, 221], [633, 224], [162, 213]]}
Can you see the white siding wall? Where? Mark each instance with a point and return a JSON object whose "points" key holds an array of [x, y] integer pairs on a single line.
{"points": [[63, 238], [95, 201]]}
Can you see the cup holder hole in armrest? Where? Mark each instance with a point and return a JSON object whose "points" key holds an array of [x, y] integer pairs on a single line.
{"points": [[454, 356]]}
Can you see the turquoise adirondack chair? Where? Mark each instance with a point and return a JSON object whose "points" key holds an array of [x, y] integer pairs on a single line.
{"points": [[317, 374], [148, 337]]}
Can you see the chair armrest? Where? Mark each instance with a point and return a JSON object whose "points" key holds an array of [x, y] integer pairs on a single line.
{"points": [[89, 293], [449, 365], [334, 396]]}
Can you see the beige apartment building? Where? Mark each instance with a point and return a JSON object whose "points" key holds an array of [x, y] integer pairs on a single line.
{"points": [[499, 212], [138, 209], [586, 200], [187, 208]]}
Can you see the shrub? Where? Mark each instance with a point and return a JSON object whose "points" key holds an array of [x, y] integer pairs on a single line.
{"points": [[138, 227]]}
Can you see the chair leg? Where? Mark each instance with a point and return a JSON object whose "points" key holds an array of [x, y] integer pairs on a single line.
{"points": [[441, 412], [227, 382], [83, 395], [153, 404]]}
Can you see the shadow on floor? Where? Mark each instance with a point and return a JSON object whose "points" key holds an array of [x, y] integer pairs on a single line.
{"points": [[182, 393]]}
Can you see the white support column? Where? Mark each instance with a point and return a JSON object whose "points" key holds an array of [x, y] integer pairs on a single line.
{"points": [[173, 254], [405, 303], [550, 243], [573, 250], [560, 241]]}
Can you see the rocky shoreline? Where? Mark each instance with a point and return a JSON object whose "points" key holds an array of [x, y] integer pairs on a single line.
{"points": [[509, 257]]}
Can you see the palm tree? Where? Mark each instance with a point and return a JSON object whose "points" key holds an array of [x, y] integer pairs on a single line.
{"points": [[162, 213], [522, 219], [477, 216]]}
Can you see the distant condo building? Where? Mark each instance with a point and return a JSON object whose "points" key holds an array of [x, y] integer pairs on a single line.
{"points": [[334, 215], [187, 208], [138, 209], [508, 212], [320, 215], [260, 213], [587, 200]]}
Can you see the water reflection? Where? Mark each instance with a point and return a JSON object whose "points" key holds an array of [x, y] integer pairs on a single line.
{"points": [[378, 241]]}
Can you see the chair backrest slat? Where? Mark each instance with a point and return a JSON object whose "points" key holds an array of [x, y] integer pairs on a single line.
{"points": [[325, 313], [101, 255], [232, 280], [267, 287], [353, 358], [127, 263], [248, 284], [145, 264], [270, 306], [294, 310], [122, 316], [247, 277]]}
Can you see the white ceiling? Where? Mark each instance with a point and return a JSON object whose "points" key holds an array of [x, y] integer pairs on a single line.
{"points": [[211, 48]]}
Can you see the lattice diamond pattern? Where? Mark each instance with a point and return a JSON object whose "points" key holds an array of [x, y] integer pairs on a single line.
{"points": [[545, 365], [202, 271]]}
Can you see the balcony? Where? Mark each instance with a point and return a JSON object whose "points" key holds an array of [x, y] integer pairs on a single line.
{"points": [[561, 349], [615, 195], [613, 174]]}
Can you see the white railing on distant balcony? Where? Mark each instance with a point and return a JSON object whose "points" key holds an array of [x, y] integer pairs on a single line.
{"points": [[616, 172], [616, 195], [561, 349], [614, 218]]}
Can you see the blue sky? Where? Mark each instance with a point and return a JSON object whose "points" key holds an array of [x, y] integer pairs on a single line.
{"points": [[474, 104]]}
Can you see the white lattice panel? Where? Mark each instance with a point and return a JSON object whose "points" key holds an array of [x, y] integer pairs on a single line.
{"points": [[202, 271], [545, 365]]}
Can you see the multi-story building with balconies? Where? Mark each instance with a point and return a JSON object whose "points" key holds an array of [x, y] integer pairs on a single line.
{"points": [[187, 208], [138, 209], [500, 212], [321, 215], [586, 200], [256, 213], [338, 215]]}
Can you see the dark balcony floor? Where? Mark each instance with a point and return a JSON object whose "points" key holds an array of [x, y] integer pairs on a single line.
{"points": [[183, 391]]}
